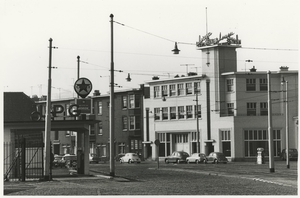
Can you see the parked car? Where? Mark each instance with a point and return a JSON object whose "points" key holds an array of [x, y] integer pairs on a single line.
{"points": [[293, 154], [196, 158], [118, 157], [130, 158], [216, 157], [94, 158], [57, 162], [70, 161], [177, 157]]}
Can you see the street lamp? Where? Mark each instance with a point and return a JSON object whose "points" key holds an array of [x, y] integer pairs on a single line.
{"points": [[286, 122], [176, 50]]}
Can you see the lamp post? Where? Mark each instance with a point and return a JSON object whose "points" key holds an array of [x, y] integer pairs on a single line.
{"points": [[286, 123], [112, 104]]}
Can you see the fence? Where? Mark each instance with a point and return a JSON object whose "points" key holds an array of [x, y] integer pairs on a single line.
{"points": [[23, 160]]}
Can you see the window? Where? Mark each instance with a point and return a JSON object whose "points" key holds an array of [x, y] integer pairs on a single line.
{"points": [[67, 133], [99, 108], [180, 89], [125, 122], [263, 108], [164, 90], [156, 92], [250, 84], [134, 122], [197, 87], [258, 138], [92, 130], [172, 89], [199, 111], [189, 88], [134, 101], [165, 113], [229, 85], [226, 147], [124, 102], [263, 84], [156, 114], [251, 109], [122, 147], [189, 111], [230, 109], [131, 101], [181, 112], [172, 113], [131, 122], [100, 128]]}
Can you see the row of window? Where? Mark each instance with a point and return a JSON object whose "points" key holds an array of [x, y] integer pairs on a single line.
{"points": [[101, 149], [250, 84], [131, 101], [252, 109], [179, 89], [180, 112]]}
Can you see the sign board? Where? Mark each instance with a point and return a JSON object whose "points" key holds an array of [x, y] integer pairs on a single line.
{"points": [[84, 105], [83, 87]]}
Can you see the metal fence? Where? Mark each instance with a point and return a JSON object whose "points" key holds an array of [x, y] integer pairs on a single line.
{"points": [[23, 160]]}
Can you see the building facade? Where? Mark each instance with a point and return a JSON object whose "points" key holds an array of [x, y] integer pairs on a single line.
{"points": [[220, 110], [128, 123]]}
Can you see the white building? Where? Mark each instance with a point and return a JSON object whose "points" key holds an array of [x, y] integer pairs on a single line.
{"points": [[232, 109]]}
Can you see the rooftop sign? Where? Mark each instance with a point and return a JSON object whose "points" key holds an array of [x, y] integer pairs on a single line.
{"points": [[222, 40]]}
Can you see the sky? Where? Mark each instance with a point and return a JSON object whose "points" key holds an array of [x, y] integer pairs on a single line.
{"points": [[268, 29]]}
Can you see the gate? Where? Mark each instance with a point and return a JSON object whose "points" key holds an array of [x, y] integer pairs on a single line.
{"points": [[23, 160]]}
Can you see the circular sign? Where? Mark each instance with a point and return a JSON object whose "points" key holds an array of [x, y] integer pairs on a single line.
{"points": [[83, 87]]}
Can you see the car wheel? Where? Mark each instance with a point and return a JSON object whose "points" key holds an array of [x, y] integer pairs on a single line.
{"points": [[167, 161], [187, 161], [121, 161], [197, 161], [205, 161], [216, 161], [129, 161], [177, 161]]}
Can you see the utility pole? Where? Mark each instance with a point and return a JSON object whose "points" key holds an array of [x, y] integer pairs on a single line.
{"points": [[112, 104], [270, 130], [47, 151], [197, 119], [78, 69], [287, 149]]}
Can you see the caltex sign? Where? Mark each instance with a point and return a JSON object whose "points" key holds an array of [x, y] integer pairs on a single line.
{"points": [[83, 87]]}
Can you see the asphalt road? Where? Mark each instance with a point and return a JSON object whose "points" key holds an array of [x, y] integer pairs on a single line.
{"points": [[237, 178]]}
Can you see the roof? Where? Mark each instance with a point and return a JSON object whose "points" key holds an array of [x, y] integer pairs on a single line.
{"points": [[17, 106], [178, 79], [260, 72]]}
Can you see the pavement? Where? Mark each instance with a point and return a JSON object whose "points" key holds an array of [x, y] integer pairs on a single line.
{"points": [[248, 170]]}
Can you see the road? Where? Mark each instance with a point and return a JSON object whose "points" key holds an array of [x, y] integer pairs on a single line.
{"points": [[236, 178]]}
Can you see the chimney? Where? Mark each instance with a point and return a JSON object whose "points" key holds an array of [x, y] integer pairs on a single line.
{"points": [[96, 93], [284, 68], [155, 78], [253, 69]]}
